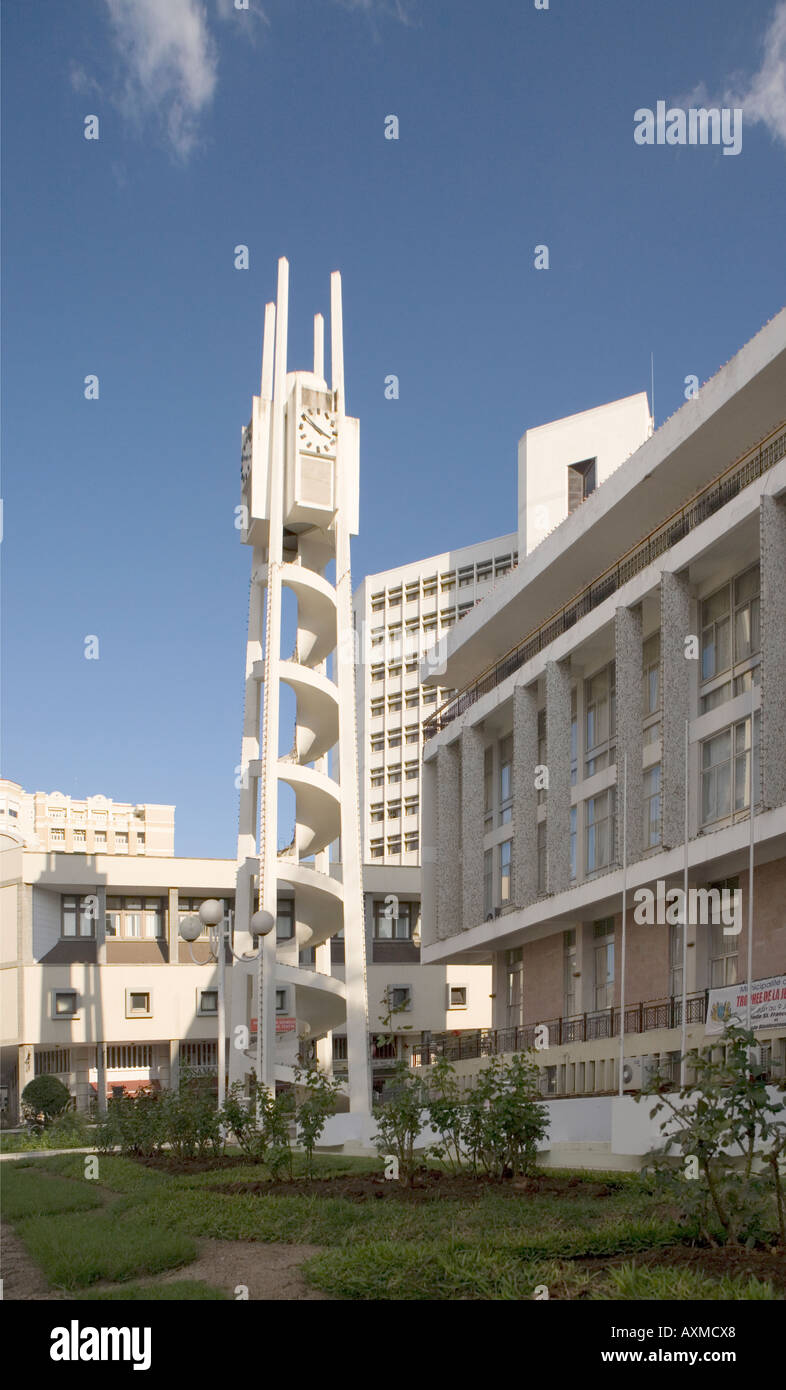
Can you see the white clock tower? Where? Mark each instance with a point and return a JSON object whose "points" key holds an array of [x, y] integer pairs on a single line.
{"points": [[299, 507]]}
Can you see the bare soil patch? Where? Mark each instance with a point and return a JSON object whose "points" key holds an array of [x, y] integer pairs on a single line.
{"points": [[427, 1186], [22, 1279]]}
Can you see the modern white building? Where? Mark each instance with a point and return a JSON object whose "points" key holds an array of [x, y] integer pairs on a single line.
{"points": [[555, 777], [561, 463], [87, 825]]}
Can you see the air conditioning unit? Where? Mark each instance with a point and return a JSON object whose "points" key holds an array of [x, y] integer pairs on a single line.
{"points": [[638, 1072]]}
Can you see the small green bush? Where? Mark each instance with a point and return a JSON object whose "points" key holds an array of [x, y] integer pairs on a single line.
{"points": [[43, 1099]]}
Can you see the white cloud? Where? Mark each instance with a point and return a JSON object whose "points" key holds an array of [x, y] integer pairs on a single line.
{"points": [[171, 64], [763, 96]]}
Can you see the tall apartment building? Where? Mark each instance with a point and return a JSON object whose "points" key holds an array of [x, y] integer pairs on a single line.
{"points": [[88, 825], [555, 777]]}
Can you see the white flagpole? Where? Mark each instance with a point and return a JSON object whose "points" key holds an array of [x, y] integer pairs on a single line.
{"points": [[684, 1031], [750, 869], [624, 913]]}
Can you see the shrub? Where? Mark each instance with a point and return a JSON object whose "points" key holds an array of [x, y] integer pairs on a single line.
{"points": [[717, 1125], [43, 1099], [505, 1118], [400, 1119], [317, 1103]]}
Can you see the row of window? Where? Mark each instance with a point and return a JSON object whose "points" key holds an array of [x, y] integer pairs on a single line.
{"points": [[379, 775], [411, 735], [465, 575], [65, 1004], [99, 839], [410, 842], [411, 807]]}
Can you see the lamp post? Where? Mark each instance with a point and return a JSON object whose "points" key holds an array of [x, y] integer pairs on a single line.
{"points": [[211, 915]]}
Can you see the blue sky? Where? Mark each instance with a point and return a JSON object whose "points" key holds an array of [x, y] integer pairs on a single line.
{"points": [[266, 127]]}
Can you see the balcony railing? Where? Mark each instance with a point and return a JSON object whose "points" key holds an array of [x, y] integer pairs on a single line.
{"points": [[588, 1027], [709, 500]]}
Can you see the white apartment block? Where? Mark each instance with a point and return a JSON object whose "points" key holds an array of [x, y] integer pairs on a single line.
{"points": [[653, 615], [90, 825]]}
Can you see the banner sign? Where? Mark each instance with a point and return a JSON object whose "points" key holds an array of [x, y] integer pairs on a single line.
{"points": [[768, 1004], [283, 1025]]}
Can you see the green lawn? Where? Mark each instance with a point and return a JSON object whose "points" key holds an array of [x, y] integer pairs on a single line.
{"points": [[134, 1222]]}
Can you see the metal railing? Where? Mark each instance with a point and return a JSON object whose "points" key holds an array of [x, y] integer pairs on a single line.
{"points": [[701, 506], [587, 1027]]}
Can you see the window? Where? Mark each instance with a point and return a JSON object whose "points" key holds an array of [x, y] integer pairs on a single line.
{"points": [[378, 672], [599, 694], [569, 971], [730, 624], [466, 576], [130, 1056], [378, 779], [505, 779], [411, 805], [599, 831], [281, 1001], [650, 675], [395, 921], [80, 837], [488, 883], [723, 956], [394, 774], [413, 735], [53, 1062], [747, 635], [377, 849], [412, 771], [121, 843], [429, 697], [726, 771], [488, 788], [675, 961], [100, 839], [377, 707], [394, 740], [56, 836], [457, 996], [378, 811], [394, 844], [603, 959], [411, 841], [207, 1002], [137, 1003], [412, 699], [64, 1003], [652, 807], [541, 856], [581, 482], [285, 919], [78, 915], [394, 810], [515, 995], [399, 998], [377, 743], [505, 870], [573, 824]]}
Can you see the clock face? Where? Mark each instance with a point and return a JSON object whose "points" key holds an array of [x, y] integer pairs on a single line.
{"points": [[317, 432]]}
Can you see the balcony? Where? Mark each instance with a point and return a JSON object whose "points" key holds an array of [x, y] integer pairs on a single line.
{"points": [[588, 1027]]}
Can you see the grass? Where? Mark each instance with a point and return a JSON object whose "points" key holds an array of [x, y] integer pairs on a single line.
{"points": [[177, 1291], [135, 1221]]}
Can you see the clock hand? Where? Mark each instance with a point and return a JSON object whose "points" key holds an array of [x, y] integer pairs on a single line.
{"points": [[319, 428]]}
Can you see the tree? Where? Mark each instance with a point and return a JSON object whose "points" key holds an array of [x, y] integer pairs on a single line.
{"points": [[43, 1099]]}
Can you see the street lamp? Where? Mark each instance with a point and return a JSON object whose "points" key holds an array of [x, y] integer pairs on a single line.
{"points": [[211, 915]]}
